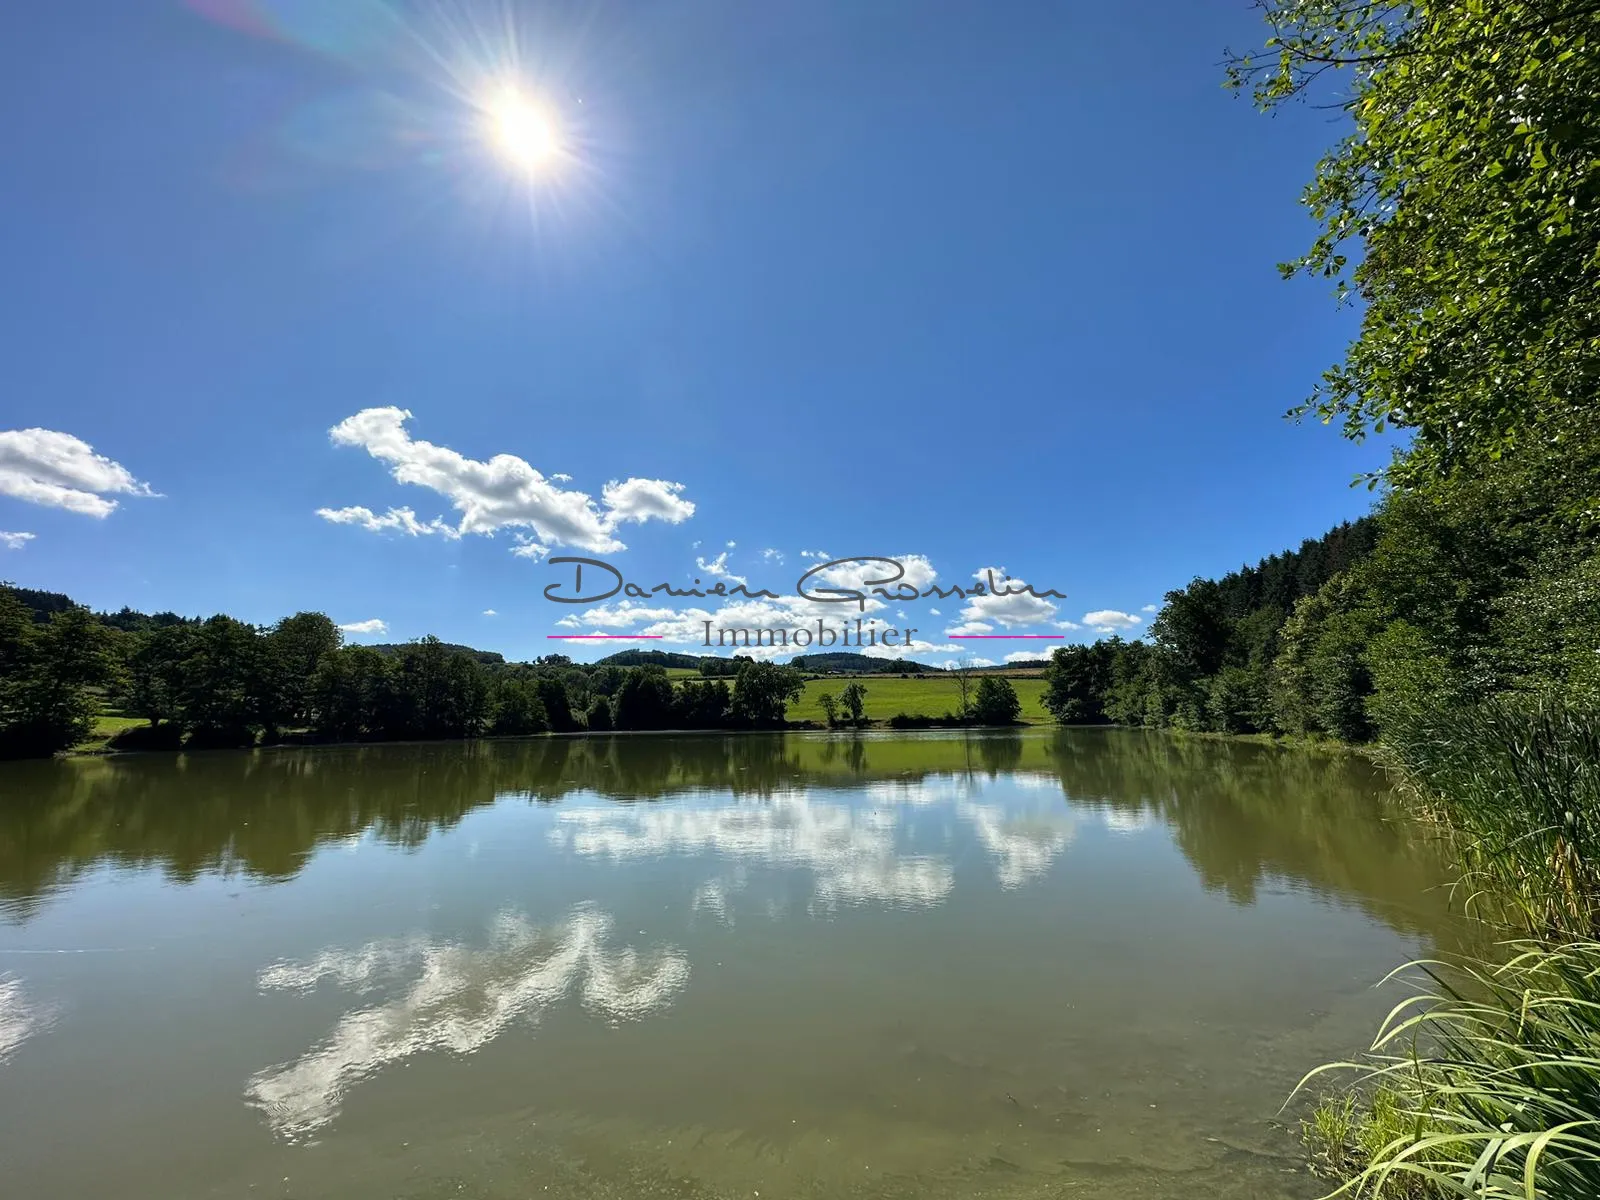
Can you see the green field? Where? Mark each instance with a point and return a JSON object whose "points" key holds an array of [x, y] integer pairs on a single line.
{"points": [[917, 696], [106, 726]]}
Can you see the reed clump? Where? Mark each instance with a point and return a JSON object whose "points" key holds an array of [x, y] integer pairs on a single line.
{"points": [[1485, 1082]]}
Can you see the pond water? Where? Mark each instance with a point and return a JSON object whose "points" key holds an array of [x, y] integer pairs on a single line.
{"points": [[1043, 964]]}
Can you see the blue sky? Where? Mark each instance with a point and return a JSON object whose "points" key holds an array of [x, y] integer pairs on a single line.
{"points": [[988, 285]]}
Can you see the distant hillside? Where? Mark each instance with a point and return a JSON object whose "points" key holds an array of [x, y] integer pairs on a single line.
{"points": [[652, 658], [845, 663], [488, 658], [44, 604]]}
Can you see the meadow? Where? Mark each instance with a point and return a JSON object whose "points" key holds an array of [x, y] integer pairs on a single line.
{"points": [[916, 695]]}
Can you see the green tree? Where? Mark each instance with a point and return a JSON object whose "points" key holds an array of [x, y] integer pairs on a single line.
{"points": [[644, 701], [153, 678], [350, 694], [295, 649], [853, 698], [996, 702], [762, 692], [1463, 208], [222, 683], [701, 704], [1077, 681], [47, 701], [830, 708], [516, 706]]}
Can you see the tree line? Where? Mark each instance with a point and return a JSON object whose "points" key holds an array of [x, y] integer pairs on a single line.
{"points": [[222, 682], [1458, 590]]}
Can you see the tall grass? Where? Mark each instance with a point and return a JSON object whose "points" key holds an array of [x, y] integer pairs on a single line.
{"points": [[1516, 782], [1486, 1083], [1488, 1087]]}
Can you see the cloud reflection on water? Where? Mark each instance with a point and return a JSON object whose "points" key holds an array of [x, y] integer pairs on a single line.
{"points": [[856, 853], [20, 1019], [852, 853], [464, 998]]}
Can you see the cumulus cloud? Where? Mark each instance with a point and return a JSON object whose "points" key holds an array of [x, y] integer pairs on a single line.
{"points": [[1109, 620], [1027, 656], [1068, 625], [375, 625], [1151, 608], [772, 556], [14, 541], [58, 470], [505, 492], [969, 627], [489, 612], [1013, 611]]}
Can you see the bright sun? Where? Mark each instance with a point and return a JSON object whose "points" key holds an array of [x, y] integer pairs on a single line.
{"points": [[522, 133]]}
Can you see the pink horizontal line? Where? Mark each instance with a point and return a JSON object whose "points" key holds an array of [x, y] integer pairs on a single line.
{"points": [[604, 637], [966, 637]]}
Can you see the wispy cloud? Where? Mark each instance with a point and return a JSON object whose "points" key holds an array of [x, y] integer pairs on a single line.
{"points": [[14, 541]]}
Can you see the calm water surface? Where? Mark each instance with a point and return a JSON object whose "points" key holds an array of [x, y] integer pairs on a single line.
{"points": [[1052, 964]]}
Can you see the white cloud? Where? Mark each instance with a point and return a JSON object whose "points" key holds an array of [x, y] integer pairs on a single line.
{"points": [[731, 545], [819, 555], [1109, 620], [58, 470], [1013, 611], [1151, 608], [618, 616], [506, 492], [969, 627], [772, 556], [526, 547], [933, 612], [1028, 655], [402, 519], [14, 541], [718, 568], [1068, 625], [489, 612], [560, 477], [375, 625]]}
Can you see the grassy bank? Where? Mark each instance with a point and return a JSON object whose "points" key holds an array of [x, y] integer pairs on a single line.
{"points": [[1486, 1083]]}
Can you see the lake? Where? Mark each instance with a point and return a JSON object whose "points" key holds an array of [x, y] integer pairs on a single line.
{"points": [[1039, 964]]}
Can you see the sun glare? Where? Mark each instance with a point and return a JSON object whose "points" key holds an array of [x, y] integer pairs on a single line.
{"points": [[523, 134]]}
